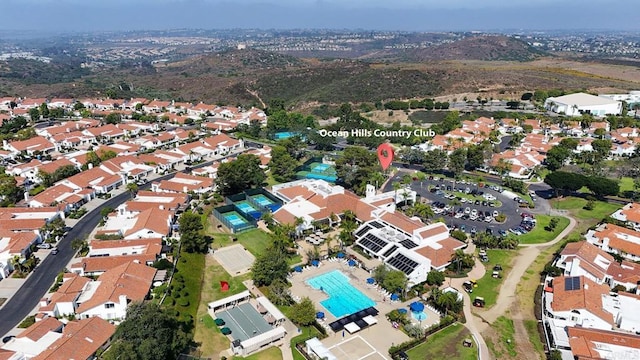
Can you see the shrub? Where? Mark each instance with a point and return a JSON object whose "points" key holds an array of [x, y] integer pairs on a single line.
{"points": [[415, 331], [184, 302], [590, 205]]}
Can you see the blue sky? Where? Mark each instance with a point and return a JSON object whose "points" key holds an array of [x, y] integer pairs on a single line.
{"points": [[418, 15]]}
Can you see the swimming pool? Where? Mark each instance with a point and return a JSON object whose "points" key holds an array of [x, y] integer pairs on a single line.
{"points": [[344, 299], [234, 218], [284, 135], [262, 200], [419, 315]]}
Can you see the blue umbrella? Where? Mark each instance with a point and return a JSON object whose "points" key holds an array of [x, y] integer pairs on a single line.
{"points": [[315, 262], [370, 280], [395, 297], [352, 263], [402, 311], [416, 306], [297, 269], [340, 255], [320, 315]]}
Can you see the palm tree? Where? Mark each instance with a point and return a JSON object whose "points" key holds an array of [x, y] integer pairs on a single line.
{"points": [[132, 188], [298, 225], [396, 187], [267, 217], [328, 241], [17, 264], [349, 215], [421, 176], [423, 210]]}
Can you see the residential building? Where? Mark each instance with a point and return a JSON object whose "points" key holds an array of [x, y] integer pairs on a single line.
{"points": [[616, 239]]}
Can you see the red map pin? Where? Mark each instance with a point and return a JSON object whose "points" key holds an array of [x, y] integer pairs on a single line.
{"points": [[385, 155]]}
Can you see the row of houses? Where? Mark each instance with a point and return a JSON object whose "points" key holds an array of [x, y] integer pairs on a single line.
{"points": [[224, 117], [539, 138], [403, 243], [589, 311]]}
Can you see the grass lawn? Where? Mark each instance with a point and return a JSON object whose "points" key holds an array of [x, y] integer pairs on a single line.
{"points": [[626, 184], [446, 343], [191, 268], [534, 336], [255, 240], [207, 333], [539, 234], [576, 206], [272, 353], [306, 333], [506, 331], [488, 287]]}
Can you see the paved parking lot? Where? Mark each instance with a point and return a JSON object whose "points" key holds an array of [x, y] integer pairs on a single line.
{"points": [[508, 206]]}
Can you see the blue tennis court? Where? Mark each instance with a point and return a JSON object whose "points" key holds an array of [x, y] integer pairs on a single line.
{"points": [[262, 200], [244, 322], [234, 218], [320, 168], [245, 207]]}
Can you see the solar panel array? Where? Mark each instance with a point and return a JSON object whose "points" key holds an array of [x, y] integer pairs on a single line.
{"points": [[376, 225], [572, 283], [403, 263], [408, 244], [390, 251], [363, 230], [373, 243]]}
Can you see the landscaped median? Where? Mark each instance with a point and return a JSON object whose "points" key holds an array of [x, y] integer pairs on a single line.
{"points": [[542, 233]]}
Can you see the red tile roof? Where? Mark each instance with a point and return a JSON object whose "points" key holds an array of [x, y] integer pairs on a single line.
{"points": [[80, 340]]}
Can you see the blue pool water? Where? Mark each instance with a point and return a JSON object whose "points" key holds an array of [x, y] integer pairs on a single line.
{"points": [[420, 316], [262, 200], [344, 299], [284, 135]]}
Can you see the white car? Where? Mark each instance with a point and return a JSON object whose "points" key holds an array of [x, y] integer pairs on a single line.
{"points": [[488, 219], [495, 213], [474, 212], [467, 210]]}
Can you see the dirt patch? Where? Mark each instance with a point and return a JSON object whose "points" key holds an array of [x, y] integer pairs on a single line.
{"points": [[388, 117]]}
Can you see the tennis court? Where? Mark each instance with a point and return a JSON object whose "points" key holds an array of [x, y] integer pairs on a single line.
{"points": [[234, 259], [244, 322], [316, 170], [245, 207], [262, 200], [234, 218]]}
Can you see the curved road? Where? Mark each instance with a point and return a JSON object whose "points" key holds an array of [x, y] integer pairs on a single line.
{"points": [[39, 281]]}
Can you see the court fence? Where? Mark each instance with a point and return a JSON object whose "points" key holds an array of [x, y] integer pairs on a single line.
{"points": [[221, 211]]}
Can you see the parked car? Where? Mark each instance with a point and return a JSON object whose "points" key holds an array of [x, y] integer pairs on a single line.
{"points": [[467, 210], [478, 302], [54, 251], [44, 246], [495, 214], [468, 286]]}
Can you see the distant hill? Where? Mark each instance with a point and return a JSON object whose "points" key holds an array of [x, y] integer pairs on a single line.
{"points": [[486, 48]]}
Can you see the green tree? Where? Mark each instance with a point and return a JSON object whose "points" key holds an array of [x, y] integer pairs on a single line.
{"points": [[556, 157], [270, 266], [601, 186], [602, 148], [241, 174], [303, 313], [113, 118], [79, 245], [34, 114], [294, 146], [191, 237], [132, 188], [435, 277], [279, 293], [148, 333], [282, 165], [395, 281], [457, 161], [434, 160], [565, 181], [44, 110], [475, 156], [355, 167], [9, 190]]}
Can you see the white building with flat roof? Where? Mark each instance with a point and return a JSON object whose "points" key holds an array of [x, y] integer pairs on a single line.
{"points": [[582, 103]]}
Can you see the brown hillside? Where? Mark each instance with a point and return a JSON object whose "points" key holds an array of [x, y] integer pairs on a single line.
{"points": [[487, 48]]}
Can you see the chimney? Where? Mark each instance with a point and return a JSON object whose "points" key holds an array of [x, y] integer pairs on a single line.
{"points": [[90, 165], [26, 197], [586, 287], [123, 301]]}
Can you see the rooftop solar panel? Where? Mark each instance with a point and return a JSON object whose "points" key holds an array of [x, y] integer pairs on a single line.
{"points": [[403, 263], [390, 251], [363, 231], [376, 225], [572, 283], [408, 244]]}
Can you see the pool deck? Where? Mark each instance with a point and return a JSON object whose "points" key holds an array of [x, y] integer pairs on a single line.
{"points": [[382, 335]]}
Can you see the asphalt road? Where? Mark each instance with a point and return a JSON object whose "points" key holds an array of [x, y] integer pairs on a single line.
{"points": [[38, 283], [509, 207]]}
